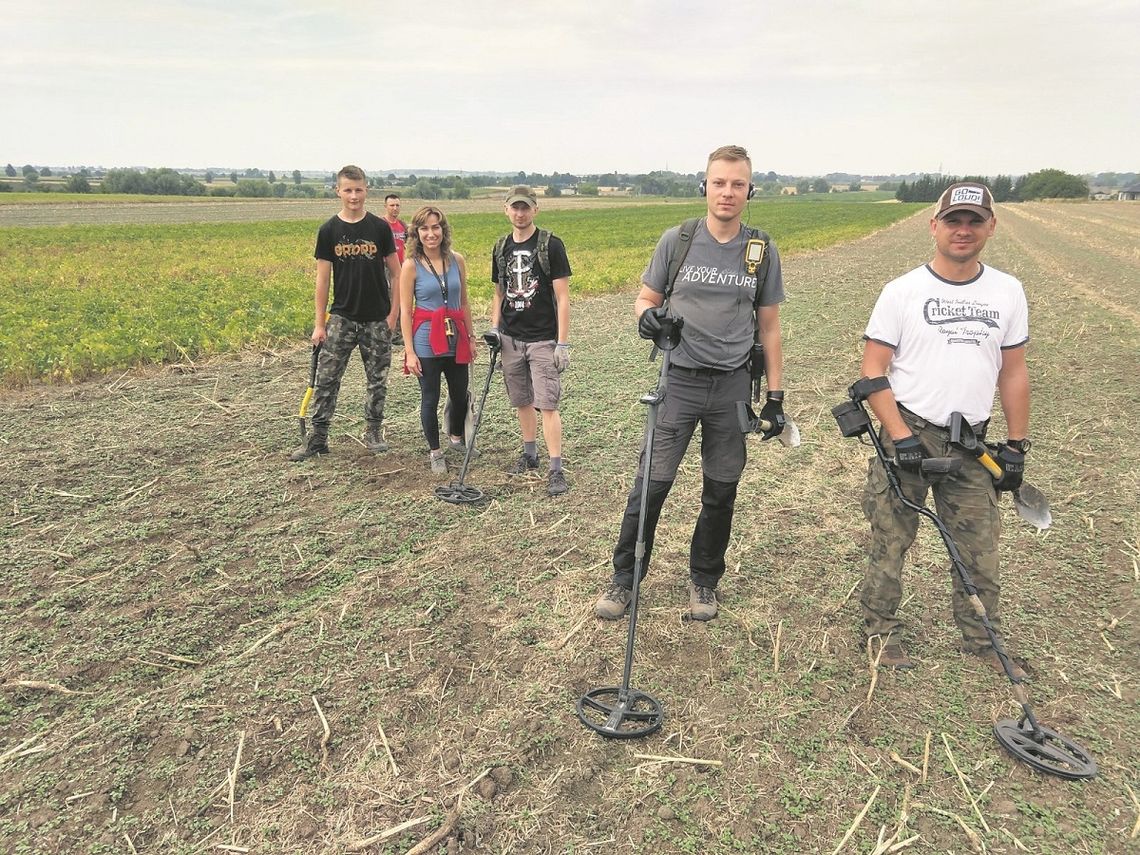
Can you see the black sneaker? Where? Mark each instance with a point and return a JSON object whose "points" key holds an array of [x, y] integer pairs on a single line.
{"points": [[313, 445], [524, 465], [614, 603], [556, 483]]}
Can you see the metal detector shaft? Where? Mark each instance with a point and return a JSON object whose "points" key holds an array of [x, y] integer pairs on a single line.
{"points": [[478, 416]]}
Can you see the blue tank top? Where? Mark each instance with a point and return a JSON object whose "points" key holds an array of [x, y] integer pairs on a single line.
{"points": [[429, 296]]}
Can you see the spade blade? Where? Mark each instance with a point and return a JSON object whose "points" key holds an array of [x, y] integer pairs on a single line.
{"points": [[1032, 506]]}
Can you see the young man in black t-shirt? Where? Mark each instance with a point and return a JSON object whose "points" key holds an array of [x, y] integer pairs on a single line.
{"points": [[353, 248], [530, 320]]}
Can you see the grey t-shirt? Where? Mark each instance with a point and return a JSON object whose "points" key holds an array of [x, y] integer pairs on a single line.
{"points": [[714, 294]]}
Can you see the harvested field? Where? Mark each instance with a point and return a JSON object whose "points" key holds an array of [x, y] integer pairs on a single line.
{"points": [[207, 648]]}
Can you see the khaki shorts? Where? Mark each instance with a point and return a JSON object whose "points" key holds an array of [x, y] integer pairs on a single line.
{"points": [[529, 373]]}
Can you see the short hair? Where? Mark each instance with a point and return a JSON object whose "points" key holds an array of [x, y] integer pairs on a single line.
{"points": [[391, 196], [352, 173], [731, 152], [413, 248]]}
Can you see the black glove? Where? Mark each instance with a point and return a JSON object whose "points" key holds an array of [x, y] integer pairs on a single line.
{"points": [[1012, 463], [493, 338], [773, 413], [649, 324], [909, 454]]}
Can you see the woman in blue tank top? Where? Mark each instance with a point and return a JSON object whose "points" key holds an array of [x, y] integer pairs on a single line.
{"points": [[435, 318]]}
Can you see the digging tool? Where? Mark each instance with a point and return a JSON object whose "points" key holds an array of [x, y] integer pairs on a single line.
{"points": [[458, 493], [622, 712], [1031, 504], [1026, 740], [751, 423], [309, 392]]}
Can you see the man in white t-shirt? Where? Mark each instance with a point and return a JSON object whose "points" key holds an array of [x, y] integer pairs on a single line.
{"points": [[948, 334]]}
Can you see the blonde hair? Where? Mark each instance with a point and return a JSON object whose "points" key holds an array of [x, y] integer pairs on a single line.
{"points": [[413, 247], [731, 152]]}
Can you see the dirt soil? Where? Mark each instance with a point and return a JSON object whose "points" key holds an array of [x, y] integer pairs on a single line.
{"points": [[206, 648]]}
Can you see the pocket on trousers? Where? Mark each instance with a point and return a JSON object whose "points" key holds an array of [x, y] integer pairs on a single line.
{"points": [[875, 490]]}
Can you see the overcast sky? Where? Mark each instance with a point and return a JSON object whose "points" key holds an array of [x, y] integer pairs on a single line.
{"points": [[809, 87]]}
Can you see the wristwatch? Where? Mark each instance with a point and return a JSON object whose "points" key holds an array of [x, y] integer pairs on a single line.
{"points": [[1022, 445]]}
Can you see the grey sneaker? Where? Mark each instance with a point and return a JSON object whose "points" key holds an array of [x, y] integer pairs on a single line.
{"points": [[374, 439], [556, 483], [524, 465], [702, 602], [459, 447], [314, 444], [614, 603], [438, 464]]}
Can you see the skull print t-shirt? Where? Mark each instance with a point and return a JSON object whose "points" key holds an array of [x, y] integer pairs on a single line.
{"points": [[528, 310]]}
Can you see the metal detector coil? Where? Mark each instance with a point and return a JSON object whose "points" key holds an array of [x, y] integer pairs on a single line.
{"points": [[458, 493], [1026, 741]]}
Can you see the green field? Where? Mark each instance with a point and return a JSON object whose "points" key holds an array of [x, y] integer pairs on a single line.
{"points": [[81, 300]]}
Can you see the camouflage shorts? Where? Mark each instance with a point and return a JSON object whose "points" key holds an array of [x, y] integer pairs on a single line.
{"points": [[343, 337], [966, 503]]}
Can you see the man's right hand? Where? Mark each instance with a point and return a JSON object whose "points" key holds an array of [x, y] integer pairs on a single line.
{"points": [[319, 335], [649, 324], [493, 338], [909, 454]]}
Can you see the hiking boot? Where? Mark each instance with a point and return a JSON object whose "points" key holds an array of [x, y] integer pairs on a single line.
{"points": [[614, 603], [524, 465], [314, 444], [989, 656], [438, 464], [702, 602], [374, 439], [895, 658], [556, 483]]}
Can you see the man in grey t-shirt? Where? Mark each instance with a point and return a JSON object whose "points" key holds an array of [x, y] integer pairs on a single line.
{"points": [[715, 294]]}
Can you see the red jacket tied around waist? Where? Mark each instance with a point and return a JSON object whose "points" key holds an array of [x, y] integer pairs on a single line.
{"points": [[437, 335]]}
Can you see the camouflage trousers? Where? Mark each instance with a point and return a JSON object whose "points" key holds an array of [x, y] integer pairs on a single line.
{"points": [[375, 342], [966, 502]]}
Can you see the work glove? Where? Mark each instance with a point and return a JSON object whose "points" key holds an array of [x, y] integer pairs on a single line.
{"points": [[1012, 463], [493, 338], [909, 454], [649, 324], [773, 413], [561, 357]]}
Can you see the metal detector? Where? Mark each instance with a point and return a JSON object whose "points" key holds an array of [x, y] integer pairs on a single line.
{"points": [[1025, 739], [458, 493], [622, 712]]}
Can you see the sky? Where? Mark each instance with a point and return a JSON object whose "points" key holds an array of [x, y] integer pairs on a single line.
{"points": [[809, 87]]}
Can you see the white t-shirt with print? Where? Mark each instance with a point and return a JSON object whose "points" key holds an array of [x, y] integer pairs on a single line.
{"points": [[948, 339]]}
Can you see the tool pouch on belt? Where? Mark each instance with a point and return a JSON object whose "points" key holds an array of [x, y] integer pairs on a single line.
{"points": [[756, 369]]}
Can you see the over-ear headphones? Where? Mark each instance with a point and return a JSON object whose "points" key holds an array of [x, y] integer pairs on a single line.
{"points": [[702, 189]]}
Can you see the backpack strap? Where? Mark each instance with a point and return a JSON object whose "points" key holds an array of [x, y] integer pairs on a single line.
{"points": [[680, 251], [544, 251], [498, 253], [764, 265]]}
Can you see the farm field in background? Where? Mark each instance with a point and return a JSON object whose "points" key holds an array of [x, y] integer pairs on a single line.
{"points": [[86, 299]]}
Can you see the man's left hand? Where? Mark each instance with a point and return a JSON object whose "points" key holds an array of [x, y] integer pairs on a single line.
{"points": [[1012, 463], [561, 356], [773, 413]]}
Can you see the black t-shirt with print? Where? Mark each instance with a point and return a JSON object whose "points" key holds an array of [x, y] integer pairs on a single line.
{"points": [[357, 252], [528, 308]]}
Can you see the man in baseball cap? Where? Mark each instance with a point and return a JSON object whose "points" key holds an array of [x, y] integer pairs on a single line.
{"points": [[522, 193], [965, 196]]}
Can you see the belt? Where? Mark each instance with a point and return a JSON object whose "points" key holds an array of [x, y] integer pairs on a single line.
{"points": [[704, 372], [919, 422]]}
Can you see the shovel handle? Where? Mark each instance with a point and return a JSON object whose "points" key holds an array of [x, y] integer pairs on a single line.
{"points": [[991, 465], [305, 403]]}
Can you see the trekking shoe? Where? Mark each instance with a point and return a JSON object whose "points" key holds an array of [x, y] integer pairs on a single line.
{"points": [[614, 603], [438, 464], [524, 465], [702, 602], [989, 656], [374, 439], [556, 483], [314, 444], [895, 658]]}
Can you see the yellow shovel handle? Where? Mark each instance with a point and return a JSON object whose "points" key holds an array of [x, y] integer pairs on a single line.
{"points": [[990, 464], [305, 402]]}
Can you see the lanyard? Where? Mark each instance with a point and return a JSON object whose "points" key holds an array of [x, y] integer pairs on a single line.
{"points": [[440, 279]]}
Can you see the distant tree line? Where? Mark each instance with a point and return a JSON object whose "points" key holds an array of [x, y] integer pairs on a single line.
{"points": [[1046, 184]]}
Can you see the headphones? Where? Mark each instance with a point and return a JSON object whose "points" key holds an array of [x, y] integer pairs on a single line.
{"points": [[702, 189]]}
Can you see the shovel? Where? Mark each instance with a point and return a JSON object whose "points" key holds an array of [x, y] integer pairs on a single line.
{"points": [[1031, 504], [751, 423], [309, 392]]}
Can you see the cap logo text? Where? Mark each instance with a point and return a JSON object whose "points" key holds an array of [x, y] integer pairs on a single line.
{"points": [[967, 196]]}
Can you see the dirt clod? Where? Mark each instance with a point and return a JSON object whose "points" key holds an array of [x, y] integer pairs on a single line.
{"points": [[487, 789]]}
